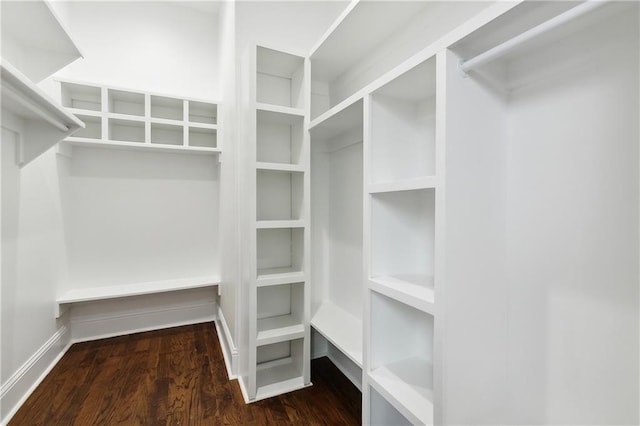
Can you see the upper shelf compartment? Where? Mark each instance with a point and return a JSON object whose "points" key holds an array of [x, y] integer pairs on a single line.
{"points": [[121, 118], [29, 111], [33, 39], [342, 64], [279, 79]]}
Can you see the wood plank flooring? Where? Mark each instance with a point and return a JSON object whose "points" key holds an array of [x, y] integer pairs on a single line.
{"points": [[175, 377]]}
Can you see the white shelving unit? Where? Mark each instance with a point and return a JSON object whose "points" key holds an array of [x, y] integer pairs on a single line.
{"points": [[34, 46], [27, 110], [344, 64], [279, 335], [401, 363], [126, 119], [336, 230], [401, 250]]}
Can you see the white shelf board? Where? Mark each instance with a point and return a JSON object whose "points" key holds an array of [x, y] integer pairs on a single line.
{"points": [[344, 46], [279, 329], [48, 122], [398, 384], [78, 111], [416, 291], [280, 167], [275, 276], [277, 62], [135, 289], [155, 120], [141, 146], [203, 126], [424, 182], [278, 114], [276, 224], [341, 328], [277, 377], [32, 32], [132, 117], [338, 120]]}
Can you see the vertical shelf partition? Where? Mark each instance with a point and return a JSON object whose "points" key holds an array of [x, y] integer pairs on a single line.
{"points": [[279, 335]]}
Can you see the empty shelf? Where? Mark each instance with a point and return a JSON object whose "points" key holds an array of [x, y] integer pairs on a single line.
{"points": [[274, 224], [273, 276], [277, 377], [408, 386], [341, 328], [279, 329], [413, 290], [425, 182], [135, 289]]}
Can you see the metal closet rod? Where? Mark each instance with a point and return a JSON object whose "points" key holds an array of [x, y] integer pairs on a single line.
{"points": [[511, 44]]}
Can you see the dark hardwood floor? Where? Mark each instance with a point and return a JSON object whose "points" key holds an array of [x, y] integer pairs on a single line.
{"points": [[175, 377]]}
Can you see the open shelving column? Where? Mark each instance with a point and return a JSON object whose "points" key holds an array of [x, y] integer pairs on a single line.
{"points": [[336, 231], [400, 250], [279, 333]]}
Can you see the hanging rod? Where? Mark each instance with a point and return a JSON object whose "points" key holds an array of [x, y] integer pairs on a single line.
{"points": [[509, 45]]}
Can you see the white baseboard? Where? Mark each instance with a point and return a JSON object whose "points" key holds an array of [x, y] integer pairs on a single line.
{"points": [[15, 391], [229, 350], [109, 318]]}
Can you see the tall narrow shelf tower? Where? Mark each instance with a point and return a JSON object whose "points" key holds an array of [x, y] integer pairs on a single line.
{"points": [[278, 295], [400, 259]]}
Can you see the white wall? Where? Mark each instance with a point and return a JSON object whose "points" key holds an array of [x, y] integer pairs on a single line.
{"points": [[33, 259], [155, 46], [133, 216]]}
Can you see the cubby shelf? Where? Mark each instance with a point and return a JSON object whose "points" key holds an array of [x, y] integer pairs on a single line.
{"points": [[341, 328], [125, 119], [397, 383], [286, 114], [280, 275], [279, 329], [426, 182], [278, 377], [280, 167], [276, 224], [416, 291]]}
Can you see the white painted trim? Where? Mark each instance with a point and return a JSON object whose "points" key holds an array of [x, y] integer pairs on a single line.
{"points": [[21, 384], [229, 350], [344, 369], [96, 328]]}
